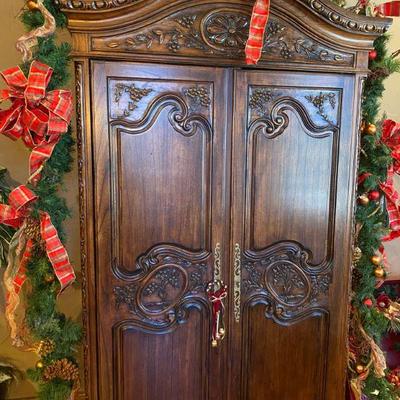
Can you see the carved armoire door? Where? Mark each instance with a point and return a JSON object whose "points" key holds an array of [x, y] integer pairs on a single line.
{"points": [[294, 156], [161, 181]]}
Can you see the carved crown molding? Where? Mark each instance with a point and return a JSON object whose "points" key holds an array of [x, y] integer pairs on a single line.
{"points": [[93, 4], [326, 9], [346, 19]]}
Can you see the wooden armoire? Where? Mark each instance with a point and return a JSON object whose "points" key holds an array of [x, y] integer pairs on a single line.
{"points": [[195, 167]]}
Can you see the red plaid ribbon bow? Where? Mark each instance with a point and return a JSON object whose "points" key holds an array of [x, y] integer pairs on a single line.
{"points": [[38, 117], [15, 214], [258, 24]]}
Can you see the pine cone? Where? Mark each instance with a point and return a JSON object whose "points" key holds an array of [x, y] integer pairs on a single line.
{"points": [[379, 73], [32, 229], [356, 278], [62, 369]]}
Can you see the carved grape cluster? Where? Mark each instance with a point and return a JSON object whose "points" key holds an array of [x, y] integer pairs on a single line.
{"points": [[259, 100], [186, 21], [198, 95]]}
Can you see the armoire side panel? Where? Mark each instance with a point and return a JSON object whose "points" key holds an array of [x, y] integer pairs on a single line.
{"points": [[159, 134], [290, 194]]}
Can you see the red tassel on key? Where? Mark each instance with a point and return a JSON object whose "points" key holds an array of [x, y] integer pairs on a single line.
{"points": [[217, 292]]}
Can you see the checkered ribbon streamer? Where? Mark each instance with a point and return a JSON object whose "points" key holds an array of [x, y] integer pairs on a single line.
{"points": [[38, 117], [258, 24], [15, 214]]}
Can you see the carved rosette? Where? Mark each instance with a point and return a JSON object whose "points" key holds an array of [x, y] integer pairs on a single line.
{"points": [[169, 281], [223, 32], [282, 278]]}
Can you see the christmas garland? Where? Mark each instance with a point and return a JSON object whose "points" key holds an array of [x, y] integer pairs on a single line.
{"points": [[33, 214], [373, 313]]}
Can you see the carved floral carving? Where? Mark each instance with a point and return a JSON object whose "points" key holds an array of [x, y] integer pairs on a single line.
{"points": [[282, 278], [168, 280], [224, 32], [227, 30], [321, 101]]}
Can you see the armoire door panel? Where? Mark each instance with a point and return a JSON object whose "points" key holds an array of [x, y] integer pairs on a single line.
{"points": [[277, 367], [293, 159], [161, 180], [180, 374], [282, 198]]}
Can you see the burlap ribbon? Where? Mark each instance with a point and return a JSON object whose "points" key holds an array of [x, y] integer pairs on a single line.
{"points": [[16, 214], [26, 42]]}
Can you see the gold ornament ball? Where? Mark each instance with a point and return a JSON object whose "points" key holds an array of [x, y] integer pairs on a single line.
{"points": [[376, 260], [360, 369], [371, 129], [214, 343], [39, 365], [379, 272], [363, 200], [222, 331], [32, 5]]}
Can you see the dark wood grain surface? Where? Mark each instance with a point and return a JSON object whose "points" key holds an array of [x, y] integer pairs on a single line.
{"points": [[194, 166]]}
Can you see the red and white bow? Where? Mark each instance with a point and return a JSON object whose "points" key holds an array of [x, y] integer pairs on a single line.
{"points": [[15, 214], [36, 116]]}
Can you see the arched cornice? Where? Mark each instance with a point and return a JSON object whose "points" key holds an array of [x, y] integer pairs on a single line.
{"points": [[325, 9]]}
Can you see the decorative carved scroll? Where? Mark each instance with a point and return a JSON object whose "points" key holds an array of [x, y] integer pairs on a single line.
{"points": [[222, 32], [282, 278], [170, 281], [318, 109]]}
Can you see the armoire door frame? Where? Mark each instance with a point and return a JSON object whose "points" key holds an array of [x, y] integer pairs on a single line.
{"points": [[342, 203], [108, 269]]}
